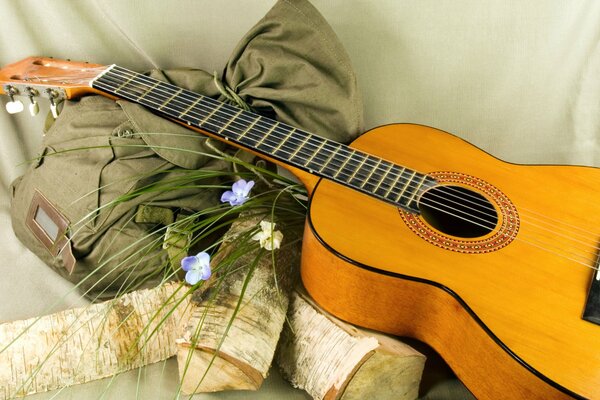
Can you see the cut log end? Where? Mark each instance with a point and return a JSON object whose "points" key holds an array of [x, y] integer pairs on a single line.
{"points": [[334, 360]]}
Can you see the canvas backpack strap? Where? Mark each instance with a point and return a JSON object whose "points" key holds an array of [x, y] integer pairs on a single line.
{"points": [[177, 237]]}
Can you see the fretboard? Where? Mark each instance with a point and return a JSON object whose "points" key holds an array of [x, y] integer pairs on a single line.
{"points": [[292, 146]]}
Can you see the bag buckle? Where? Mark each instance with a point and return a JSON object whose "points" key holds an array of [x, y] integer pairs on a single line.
{"points": [[50, 227]]}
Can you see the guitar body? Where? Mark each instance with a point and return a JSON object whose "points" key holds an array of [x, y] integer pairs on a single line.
{"points": [[503, 308]]}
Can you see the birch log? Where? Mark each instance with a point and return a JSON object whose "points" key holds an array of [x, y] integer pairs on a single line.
{"points": [[88, 343], [334, 360], [222, 349]]}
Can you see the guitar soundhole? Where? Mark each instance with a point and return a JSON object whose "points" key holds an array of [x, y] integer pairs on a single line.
{"points": [[458, 211]]}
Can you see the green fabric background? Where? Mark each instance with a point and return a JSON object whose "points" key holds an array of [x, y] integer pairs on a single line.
{"points": [[504, 75]]}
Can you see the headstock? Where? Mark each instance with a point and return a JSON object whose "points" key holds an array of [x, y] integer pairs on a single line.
{"points": [[56, 80]]}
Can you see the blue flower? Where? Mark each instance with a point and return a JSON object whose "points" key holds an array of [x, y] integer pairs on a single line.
{"points": [[197, 268], [238, 194]]}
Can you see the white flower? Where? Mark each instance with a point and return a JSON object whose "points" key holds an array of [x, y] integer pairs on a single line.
{"points": [[268, 237]]}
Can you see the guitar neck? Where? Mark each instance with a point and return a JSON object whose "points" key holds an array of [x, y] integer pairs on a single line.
{"points": [[291, 146]]}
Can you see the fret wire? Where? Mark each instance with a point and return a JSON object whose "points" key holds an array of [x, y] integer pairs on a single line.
{"points": [[266, 134], [125, 83], [164, 95], [371, 174], [357, 168], [122, 91], [318, 150], [406, 185], [175, 110], [383, 177], [379, 181], [416, 189], [299, 147], [209, 115], [190, 107], [393, 185], [342, 167], [335, 160], [285, 139], [157, 84], [230, 121], [248, 128], [177, 93], [337, 149], [326, 163]]}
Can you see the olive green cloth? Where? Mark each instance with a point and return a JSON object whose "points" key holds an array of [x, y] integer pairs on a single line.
{"points": [[290, 65]]}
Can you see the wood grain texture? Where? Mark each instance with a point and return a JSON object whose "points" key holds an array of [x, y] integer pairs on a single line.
{"points": [[334, 360], [529, 294], [88, 343], [231, 336]]}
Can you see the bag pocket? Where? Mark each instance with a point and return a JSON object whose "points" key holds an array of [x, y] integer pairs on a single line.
{"points": [[171, 141]]}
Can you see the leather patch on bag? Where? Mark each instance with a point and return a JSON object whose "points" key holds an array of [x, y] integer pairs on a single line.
{"points": [[49, 226]]}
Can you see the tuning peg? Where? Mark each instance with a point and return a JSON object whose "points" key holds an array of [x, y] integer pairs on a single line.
{"points": [[53, 107], [34, 108], [13, 106]]}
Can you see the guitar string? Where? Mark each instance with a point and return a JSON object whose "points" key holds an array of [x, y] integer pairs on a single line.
{"points": [[543, 248], [470, 221], [104, 69], [194, 96], [520, 235], [547, 249], [462, 197], [214, 102], [493, 216], [98, 71], [365, 158]]}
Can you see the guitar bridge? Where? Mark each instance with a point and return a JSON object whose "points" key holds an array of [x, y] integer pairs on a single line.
{"points": [[592, 304]]}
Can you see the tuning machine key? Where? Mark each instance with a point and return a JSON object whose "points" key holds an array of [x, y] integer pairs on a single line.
{"points": [[34, 108], [52, 95], [13, 106]]}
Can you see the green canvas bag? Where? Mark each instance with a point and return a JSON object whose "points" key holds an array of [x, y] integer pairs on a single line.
{"points": [[290, 66]]}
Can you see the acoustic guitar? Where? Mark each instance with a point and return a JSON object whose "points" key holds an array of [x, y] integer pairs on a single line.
{"points": [[414, 232]]}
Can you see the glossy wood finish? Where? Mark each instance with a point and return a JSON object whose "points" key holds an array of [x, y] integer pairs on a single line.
{"points": [[509, 321], [43, 72]]}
